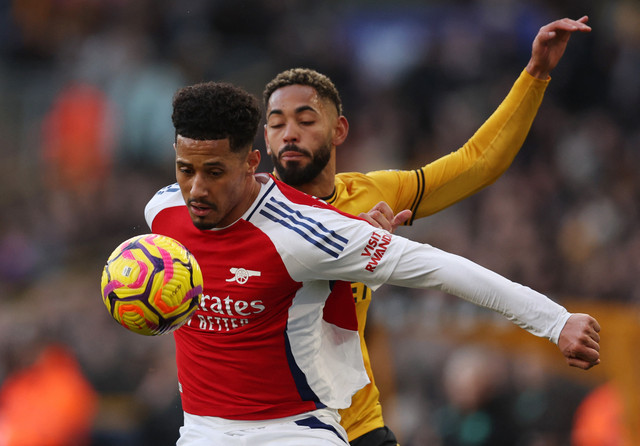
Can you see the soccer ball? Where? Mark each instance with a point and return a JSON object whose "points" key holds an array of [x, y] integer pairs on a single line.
{"points": [[151, 284]]}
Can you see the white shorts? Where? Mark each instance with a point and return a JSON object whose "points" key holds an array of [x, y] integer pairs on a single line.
{"points": [[317, 428]]}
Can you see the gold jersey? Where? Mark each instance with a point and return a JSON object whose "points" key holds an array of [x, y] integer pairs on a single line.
{"points": [[426, 191]]}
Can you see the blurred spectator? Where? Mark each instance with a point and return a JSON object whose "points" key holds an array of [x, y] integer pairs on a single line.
{"points": [[477, 408], [543, 403], [600, 419], [77, 152], [78, 140], [47, 402], [20, 258]]}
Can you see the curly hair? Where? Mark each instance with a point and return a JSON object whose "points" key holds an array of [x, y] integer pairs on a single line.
{"points": [[216, 110], [304, 76]]}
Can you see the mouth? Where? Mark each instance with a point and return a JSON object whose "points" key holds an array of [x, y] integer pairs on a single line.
{"points": [[289, 156], [292, 153], [199, 209]]}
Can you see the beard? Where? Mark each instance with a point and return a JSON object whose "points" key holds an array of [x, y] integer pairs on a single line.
{"points": [[200, 222], [203, 226], [293, 173]]}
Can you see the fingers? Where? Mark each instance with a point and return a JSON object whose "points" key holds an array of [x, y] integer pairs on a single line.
{"points": [[584, 356], [580, 341], [400, 218], [585, 359], [581, 364], [591, 328], [384, 209], [563, 29], [381, 216], [570, 25], [378, 219], [595, 325], [550, 43], [372, 221], [575, 25]]}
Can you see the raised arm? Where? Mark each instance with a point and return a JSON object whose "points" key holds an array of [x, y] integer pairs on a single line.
{"points": [[491, 150]]}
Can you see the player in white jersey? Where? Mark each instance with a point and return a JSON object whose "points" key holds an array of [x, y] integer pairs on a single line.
{"points": [[273, 351]]}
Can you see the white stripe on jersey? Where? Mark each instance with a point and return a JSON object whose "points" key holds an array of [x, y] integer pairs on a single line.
{"points": [[311, 230]]}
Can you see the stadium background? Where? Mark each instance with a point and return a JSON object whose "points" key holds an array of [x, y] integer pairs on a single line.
{"points": [[85, 91]]}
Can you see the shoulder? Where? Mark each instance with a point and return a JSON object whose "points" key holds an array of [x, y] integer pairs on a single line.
{"points": [[167, 197], [359, 192], [304, 202], [285, 215]]}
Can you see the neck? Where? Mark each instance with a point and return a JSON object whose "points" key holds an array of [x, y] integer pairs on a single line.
{"points": [[252, 193], [249, 196], [321, 186]]}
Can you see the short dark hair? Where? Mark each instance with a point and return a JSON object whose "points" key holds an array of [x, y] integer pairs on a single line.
{"points": [[216, 110], [304, 76]]}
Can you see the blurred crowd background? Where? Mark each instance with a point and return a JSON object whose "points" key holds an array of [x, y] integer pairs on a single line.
{"points": [[85, 104]]}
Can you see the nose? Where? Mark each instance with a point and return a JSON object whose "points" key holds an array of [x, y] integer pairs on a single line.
{"points": [[198, 187], [290, 134]]}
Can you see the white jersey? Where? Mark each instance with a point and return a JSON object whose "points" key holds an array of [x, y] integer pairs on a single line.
{"points": [[275, 334]]}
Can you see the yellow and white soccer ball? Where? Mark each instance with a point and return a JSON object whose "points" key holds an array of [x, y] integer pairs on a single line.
{"points": [[151, 284]]}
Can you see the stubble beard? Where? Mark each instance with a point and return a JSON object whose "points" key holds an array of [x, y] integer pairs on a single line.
{"points": [[295, 175], [201, 223]]}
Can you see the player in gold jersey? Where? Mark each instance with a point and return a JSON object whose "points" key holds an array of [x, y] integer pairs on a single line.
{"points": [[305, 125]]}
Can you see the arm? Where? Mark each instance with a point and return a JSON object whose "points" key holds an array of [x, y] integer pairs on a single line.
{"points": [[350, 249], [491, 150], [576, 335]]}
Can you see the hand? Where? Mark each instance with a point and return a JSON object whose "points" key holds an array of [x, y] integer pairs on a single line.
{"points": [[550, 43], [579, 341], [381, 216]]}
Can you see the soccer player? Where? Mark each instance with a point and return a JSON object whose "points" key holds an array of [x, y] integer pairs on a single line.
{"points": [[305, 125], [273, 350]]}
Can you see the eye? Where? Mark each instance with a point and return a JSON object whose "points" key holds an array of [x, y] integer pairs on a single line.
{"points": [[275, 121]]}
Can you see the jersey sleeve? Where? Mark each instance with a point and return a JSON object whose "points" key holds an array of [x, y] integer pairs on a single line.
{"points": [[486, 155], [358, 192], [423, 266], [168, 196], [332, 246]]}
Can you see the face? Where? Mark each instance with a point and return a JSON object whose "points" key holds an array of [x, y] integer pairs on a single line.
{"points": [[217, 184], [301, 133]]}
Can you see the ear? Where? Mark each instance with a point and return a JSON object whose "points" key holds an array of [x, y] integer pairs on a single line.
{"points": [[253, 161], [341, 131], [266, 140]]}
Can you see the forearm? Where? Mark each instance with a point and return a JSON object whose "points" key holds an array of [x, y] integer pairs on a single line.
{"points": [[423, 266], [488, 153], [496, 143]]}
